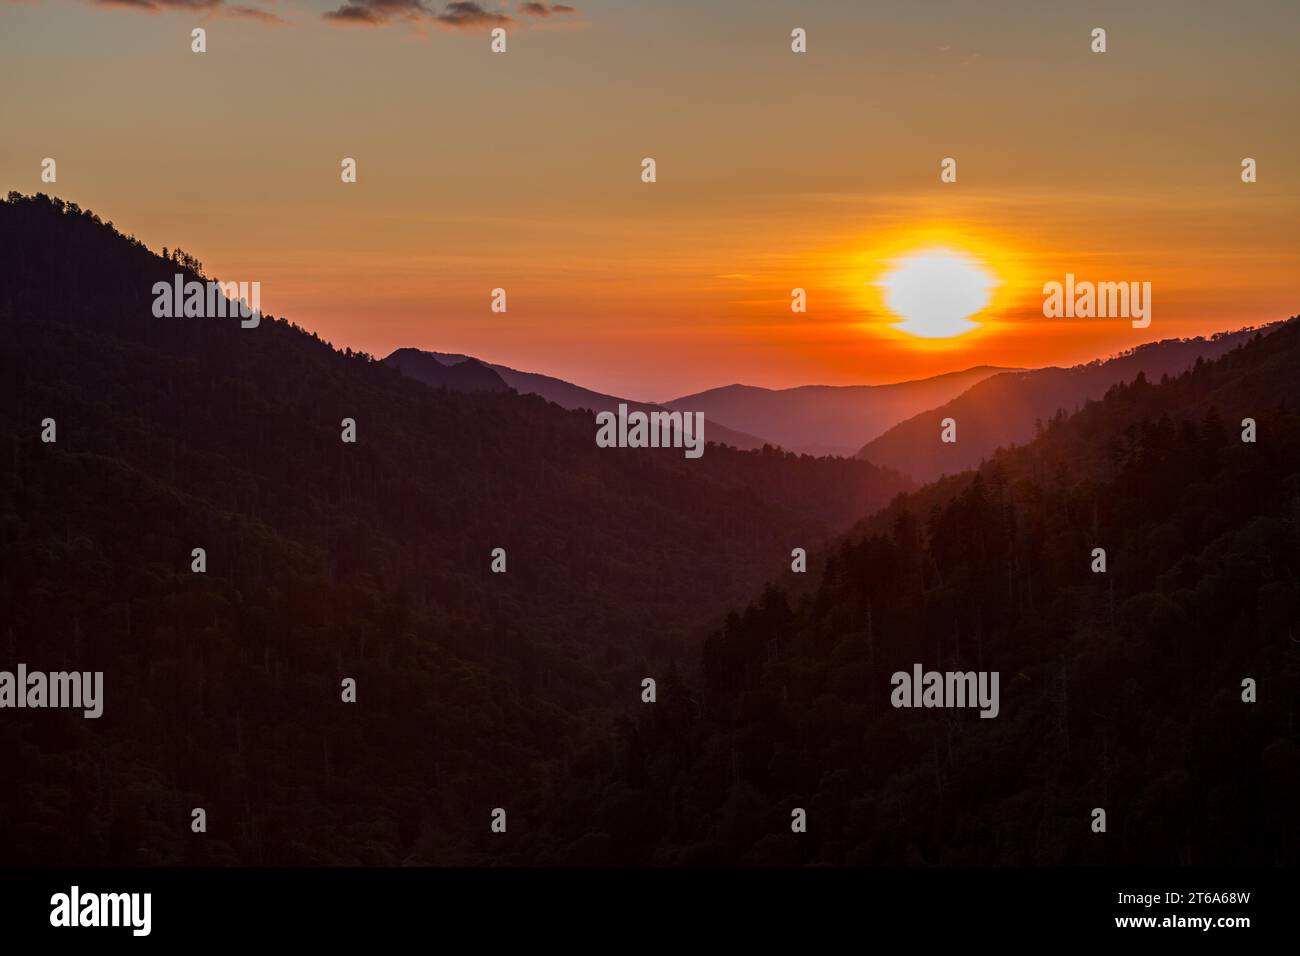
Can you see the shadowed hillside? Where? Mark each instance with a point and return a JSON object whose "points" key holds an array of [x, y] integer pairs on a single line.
{"points": [[476, 690], [1120, 690], [326, 560]]}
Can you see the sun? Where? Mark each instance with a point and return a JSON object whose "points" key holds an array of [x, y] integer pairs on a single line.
{"points": [[935, 291]]}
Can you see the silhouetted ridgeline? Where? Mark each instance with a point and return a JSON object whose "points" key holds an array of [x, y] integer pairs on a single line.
{"points": [[1011, 408], [468, 375], [829, 419], [326, 561], [1120, 690], [433, 368]]}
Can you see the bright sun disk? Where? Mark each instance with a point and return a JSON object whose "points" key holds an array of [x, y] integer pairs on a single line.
{"points": [[936, 291]]}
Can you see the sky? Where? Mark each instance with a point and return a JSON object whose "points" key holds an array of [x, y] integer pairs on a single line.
{"points": [[774, 170]]}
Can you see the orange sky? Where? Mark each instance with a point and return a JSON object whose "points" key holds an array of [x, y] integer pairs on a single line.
{"points": [[775, 170]]}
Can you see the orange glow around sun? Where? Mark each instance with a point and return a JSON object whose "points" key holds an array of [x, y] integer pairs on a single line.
{"points": [[937, 287]]}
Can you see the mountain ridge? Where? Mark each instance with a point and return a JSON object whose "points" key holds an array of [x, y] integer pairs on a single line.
{"points": [[1123, 685], [828, 419], [567, 394], [1005, 409], [471, 375]]}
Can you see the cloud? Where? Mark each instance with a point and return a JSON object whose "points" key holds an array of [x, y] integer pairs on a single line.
{"points": [[153, 6], [458, 14], [217, 7], [542, 10], [380, 12], [376, 12], [252, 13], [468, 14]]}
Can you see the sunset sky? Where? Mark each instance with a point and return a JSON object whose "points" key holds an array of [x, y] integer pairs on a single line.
{"points": [[775, 170]]}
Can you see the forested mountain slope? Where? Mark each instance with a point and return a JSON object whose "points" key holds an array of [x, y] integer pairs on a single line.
{"points": [[1120, 690], [325, 560]]}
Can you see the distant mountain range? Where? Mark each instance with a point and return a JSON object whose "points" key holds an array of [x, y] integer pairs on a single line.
{"points": [[809, 419], [463, 373], [828, 419], [893, 425], [1009, 408]]}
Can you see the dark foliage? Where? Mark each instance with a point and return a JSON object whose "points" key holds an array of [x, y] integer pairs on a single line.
{"points": [[476, 690], [1120, 690], [326, 561]]}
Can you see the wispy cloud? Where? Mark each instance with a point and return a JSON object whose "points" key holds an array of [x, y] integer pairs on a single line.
{"points": [[469, 15], [458, 15], [213, 7], [252, 13], [542, 10], [154, 6], [378, 12]]}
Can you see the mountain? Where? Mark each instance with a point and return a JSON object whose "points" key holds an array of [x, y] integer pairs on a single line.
{"points": [[567, 395], [827, 419], [469, 375], [1162, 691], [1009, 408], [327, 560], [370, 561]]}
